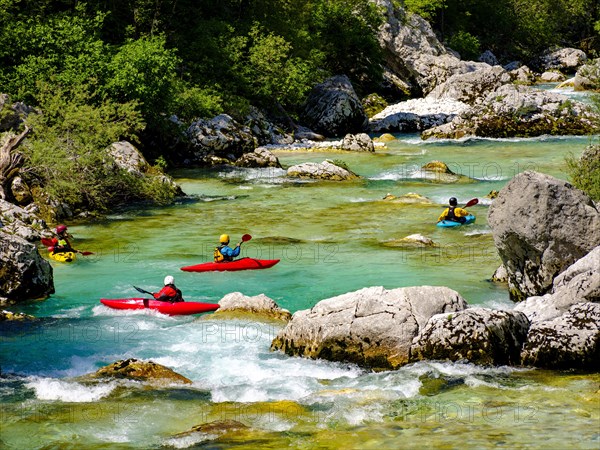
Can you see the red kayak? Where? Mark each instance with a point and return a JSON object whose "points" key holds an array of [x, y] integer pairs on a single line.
{"points": [[172, 309], [238, 264]]}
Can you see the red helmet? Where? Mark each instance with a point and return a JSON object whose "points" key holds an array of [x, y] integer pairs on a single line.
{"points": [[61, 228]]}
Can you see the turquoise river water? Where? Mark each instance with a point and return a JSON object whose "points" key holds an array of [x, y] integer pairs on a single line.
{"points": [[332, 238]]}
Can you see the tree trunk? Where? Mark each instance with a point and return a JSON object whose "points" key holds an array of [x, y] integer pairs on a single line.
{"points": [[10, 161]]}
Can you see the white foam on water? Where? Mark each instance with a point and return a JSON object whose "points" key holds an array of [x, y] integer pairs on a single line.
{"points": [[190, 440], [478, 232], [70, 313], [65, 391]]}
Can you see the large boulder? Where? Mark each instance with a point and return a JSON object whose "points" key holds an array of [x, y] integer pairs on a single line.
{"points": [[238, 305], [414, 53], [571, 341], [221, 137], [471, 87], [566, 60], [580, 283], [334, 109], [514, 110], [360, 142], [541, 225], [264, 130], [24, 274], [22, 222], [127, 157], [372, 327], [587, 77], [478, 335], [260, 157], [326, 170]]}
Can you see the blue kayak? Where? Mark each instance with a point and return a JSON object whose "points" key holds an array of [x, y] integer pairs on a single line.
{"points": [[451, 223]]}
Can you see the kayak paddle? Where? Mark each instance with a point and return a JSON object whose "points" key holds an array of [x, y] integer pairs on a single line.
{"points": [[143, 291], [246, 238], [471, 202]]}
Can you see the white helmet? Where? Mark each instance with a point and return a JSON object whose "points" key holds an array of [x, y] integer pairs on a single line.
{"points": [[169, 280]]}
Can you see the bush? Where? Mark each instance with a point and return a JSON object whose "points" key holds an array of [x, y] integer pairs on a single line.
{"points": [[67, 155], [466, 44], [584, 172]]}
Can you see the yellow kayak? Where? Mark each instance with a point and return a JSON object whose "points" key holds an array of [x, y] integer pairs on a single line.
{"points": [[62, 256]]}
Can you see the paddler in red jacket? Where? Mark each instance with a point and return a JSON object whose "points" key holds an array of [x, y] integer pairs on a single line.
{"points": [[169, 293]]}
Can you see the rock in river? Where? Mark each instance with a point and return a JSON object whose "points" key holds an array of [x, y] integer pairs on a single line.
{"points": [[372, 327]]}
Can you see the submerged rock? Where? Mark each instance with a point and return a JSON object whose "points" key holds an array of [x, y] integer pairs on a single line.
{"points": [[372, 327], [478, 335], [135, 369], [414, 240], [409, 198], [8, 316], [541, 225], [237, 304], [569, 341], [217, 428], [439, 171]]}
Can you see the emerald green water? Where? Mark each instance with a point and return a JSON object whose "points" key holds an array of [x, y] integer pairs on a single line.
{"points": [[331, 238]]}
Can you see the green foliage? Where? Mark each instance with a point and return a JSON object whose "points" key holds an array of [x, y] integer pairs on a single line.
{"points": [[427, 9], [466, 44], [268, 70], [62, 47], [373, 104], [143, 70], [346, 33], [192, 102], [67, 152], [584, 173]]}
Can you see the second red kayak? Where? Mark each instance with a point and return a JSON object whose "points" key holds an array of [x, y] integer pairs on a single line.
{"points": [[238, 264], [172, 309]]}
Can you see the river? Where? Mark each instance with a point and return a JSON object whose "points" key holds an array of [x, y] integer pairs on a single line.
{"points": [[332, 238]]}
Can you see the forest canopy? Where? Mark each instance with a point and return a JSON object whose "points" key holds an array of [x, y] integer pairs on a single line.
{"points": [[198, 58]]}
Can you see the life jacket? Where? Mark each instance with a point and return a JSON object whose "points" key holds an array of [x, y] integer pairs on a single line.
{"points": [[61, 245], [220, 257], [170, 291], [451, 215]]}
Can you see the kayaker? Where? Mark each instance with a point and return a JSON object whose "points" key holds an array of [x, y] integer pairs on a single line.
{"points": [[454, 213], [169, 293], [224, 252], [60, 243]]}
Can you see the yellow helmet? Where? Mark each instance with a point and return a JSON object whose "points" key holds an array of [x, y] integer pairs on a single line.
{"points": [[224, 239]]}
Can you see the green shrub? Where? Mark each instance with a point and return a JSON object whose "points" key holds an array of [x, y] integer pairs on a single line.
{"points": [[584, 172], [466, 44], [67, 157]]}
